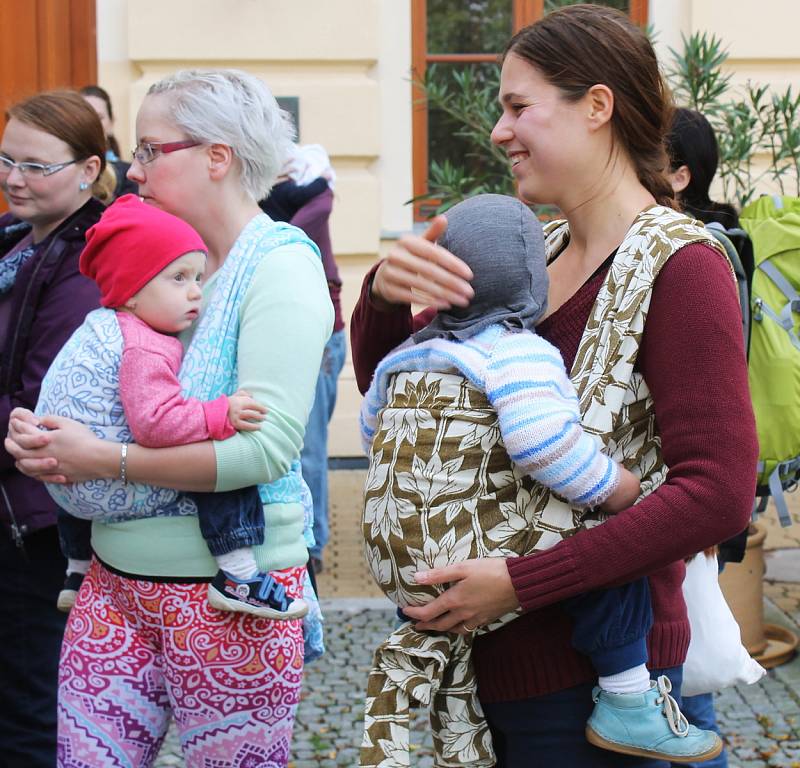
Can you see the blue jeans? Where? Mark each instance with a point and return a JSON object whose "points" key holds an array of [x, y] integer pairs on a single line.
{"points": [[610, 626], [314, 457], [31, 628], [231, 519], [547, 731], [699, 711], [74, 536], [228, 521]]}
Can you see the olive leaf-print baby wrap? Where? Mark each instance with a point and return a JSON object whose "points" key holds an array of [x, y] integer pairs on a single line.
{"points": [[441, 489]]}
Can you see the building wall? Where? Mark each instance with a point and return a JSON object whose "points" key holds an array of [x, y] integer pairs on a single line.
{"points": [[349, 63]]}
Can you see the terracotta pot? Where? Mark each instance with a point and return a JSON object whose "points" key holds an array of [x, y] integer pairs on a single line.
{"points": [[743, 587]]}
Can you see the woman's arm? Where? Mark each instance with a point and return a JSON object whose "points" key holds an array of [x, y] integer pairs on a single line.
{"points": [[693, 360], [286, 320], [67, 451], [374, 332]]}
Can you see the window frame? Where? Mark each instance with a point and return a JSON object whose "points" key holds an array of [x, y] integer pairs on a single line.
{"points": [[524, 12]]}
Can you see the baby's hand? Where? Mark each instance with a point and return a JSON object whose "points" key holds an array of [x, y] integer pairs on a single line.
{"points": [[625, 494], [245, 413]]}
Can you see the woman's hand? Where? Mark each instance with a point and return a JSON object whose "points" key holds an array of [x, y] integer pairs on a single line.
{"points": [[65, 451], [417, 271], [480, 592]]}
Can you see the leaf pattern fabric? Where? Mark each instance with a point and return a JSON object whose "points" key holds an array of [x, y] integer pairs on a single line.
{"points": [[441, 489]]}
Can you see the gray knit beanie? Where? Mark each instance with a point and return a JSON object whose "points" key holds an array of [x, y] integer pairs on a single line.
{"points": [[501, 241]]}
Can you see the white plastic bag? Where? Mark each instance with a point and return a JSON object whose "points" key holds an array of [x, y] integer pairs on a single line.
{"points": [[716, 657]]}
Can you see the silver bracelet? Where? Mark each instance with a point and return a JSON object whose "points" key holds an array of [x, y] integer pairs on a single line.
{"points": [[123, 464]]}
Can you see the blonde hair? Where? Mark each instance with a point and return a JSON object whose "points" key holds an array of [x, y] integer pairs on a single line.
{"points": [[228, 106]]}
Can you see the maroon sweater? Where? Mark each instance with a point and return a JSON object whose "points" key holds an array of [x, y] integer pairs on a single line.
{"points": [[693, 360]]}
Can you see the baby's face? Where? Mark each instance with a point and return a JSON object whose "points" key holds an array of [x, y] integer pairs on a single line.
{"points": [[170, 302]]}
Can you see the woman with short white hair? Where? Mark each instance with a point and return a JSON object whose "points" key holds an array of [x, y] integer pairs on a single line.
{"points": [[142, 642]]}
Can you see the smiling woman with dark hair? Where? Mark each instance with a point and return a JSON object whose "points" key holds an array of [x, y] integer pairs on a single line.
{"points": [[656, 357], [51, 153]]}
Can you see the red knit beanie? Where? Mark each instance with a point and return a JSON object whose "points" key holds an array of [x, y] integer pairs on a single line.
{"points": [[131, 244]]}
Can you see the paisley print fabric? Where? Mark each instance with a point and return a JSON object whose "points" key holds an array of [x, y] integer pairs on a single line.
{"points": [[441, 489], [136, 651], [82, 383]]}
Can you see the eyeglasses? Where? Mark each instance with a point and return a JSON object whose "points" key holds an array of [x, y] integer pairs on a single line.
{"points": [[32, 169], [147, 151]]}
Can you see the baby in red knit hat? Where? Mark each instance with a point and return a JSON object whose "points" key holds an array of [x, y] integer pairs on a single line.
{"points": [[149, 265]]}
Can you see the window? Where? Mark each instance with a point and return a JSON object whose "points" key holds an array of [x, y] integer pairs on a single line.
{"points": [[460, 35]]}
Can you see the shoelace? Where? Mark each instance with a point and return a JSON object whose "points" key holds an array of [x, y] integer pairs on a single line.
{"points": [[678, 723]]}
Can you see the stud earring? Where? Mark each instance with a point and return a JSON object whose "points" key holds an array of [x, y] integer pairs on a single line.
{"points": [[83, 186]]}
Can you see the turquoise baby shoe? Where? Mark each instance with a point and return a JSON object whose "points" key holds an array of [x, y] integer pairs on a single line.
{"points": [[648, 724]]}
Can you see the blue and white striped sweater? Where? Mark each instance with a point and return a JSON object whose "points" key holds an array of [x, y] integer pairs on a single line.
{"points": [[524, 379]]}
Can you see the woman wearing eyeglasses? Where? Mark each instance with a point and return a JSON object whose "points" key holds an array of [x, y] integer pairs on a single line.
{"points": [[142, 642], [51, 153]]}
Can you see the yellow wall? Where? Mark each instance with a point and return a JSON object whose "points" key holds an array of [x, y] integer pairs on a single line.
{"points": [[349, 62]]}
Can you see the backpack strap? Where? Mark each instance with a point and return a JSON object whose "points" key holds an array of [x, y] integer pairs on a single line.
{"points": [[784, 319], [743, 280], [791, 468]]}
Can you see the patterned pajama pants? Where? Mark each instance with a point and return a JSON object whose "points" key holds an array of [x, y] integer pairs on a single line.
{"points": [[136, 652]]}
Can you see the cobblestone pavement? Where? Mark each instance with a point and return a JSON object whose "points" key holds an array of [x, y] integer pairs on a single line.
{"points": [[761, 723]]}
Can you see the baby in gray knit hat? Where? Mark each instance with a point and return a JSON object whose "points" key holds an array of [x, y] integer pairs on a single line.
{"points": [[493, 345], [502, 242]]}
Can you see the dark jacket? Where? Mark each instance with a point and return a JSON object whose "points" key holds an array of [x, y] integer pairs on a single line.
{"points": [[287, 197], [49, 300], [124, 185], [309, 207]]}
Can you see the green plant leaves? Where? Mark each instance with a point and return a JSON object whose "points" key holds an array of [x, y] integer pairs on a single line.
{"points": [[747, 123]]}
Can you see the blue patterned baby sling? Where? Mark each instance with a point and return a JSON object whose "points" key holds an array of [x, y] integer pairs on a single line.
{"points": [[83, 384]]}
